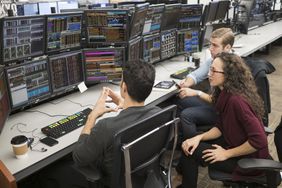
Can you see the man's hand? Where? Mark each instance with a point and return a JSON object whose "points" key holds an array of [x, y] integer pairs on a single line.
{"points": [[117, 99]]}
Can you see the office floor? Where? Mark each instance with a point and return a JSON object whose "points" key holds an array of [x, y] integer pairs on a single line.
{"points": [[275, 57]]}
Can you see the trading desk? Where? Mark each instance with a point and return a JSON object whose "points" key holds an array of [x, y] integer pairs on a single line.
{"points": [[30, 123]]}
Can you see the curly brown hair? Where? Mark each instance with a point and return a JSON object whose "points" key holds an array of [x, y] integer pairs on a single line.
{"points": [[239, 81]]}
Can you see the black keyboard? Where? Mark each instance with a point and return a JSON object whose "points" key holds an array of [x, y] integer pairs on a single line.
{"points": [[66, 125], [181, 74]]}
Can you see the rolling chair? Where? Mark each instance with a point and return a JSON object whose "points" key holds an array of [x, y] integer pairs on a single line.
{"points": [[7, 180], [138, 150]]}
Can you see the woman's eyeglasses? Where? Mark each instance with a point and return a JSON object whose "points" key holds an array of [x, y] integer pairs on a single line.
{"points": [[212, 70]]}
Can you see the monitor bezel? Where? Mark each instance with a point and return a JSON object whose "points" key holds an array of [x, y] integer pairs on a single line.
{"points": [[52, 52], [91, 44], [68, 88], [99, 49], [2, 74], [36, 100], [29, 57]]}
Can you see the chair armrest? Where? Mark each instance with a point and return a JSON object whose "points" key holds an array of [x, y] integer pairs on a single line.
{"points": [[262, 164], [90, 174]]}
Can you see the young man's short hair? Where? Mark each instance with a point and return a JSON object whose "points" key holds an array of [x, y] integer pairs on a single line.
{"points": [[225, 34], [139, 78]]}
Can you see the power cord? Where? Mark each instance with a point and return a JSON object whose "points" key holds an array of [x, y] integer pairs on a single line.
{"points": [[55, 103]]}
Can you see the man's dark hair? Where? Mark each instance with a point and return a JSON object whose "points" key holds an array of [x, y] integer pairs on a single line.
{"points": [[139, 78]]}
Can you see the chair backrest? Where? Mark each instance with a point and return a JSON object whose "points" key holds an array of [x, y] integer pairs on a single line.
{"points": [[259, 69], [278, 140], [7, 180], [138, 149]]}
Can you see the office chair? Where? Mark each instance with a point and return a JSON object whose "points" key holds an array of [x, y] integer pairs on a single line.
{"points": [[138, 150], [7, 180]]}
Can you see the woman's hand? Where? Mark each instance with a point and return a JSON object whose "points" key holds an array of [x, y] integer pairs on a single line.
{"points": [[216, 154], [189, 145], [187, 92]]}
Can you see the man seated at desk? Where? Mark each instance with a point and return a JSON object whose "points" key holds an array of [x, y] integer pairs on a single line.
{"points": [[94, 150], [194, 104]]}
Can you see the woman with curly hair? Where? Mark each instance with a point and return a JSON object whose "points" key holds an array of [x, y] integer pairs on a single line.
{"points": [[239, 131]]}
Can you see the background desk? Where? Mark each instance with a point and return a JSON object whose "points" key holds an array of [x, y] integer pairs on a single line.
{"points": [[22, 168]]}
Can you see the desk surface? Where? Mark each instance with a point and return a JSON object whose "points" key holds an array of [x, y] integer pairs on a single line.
{"points": [[34, 121]]}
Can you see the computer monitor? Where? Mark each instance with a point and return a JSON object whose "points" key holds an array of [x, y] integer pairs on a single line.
{"points": [[63, 32], [28, 9], [65, 71], [103, 65], [206, 35], [190, 16], [47, 8], [134, 49], [106, 26], [168, 43], [28, 83], [153, 19], [152, 48], [62, 5], [170, 16], [187, 41], [22, 37], [223, 8], [210, 12], [138, 20], [4, 99]]}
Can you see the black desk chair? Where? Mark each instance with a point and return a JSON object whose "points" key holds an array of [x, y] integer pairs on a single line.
{"points": [[138, 150]]}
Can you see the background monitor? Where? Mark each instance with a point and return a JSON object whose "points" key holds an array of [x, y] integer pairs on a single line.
{"points": [[103, 65], [190, 16], [65, 71], [223, 8], [4, 99], [170, 17], [138, 20], [134, 48], [28, 83], [153, 19], [63, 31], [152, 48], [210, 13], [187, 41], [47, 8], [62, 5], [22, 37], [106, 26]]}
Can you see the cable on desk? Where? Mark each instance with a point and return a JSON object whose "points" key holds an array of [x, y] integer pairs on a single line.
{"points": [[72, 102], [57, 115]]}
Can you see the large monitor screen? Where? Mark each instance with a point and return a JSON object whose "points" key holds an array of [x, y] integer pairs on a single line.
{"points": [[30, 9], [170, 17], [106, 26], [103, 65], [47, 8], [168, 43], [28, 83], [63, 31], [4, 99], [190, 16], [138, 20], [66, 71], [22, 37], [210, 12], [152, 48], [153, 19]]}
